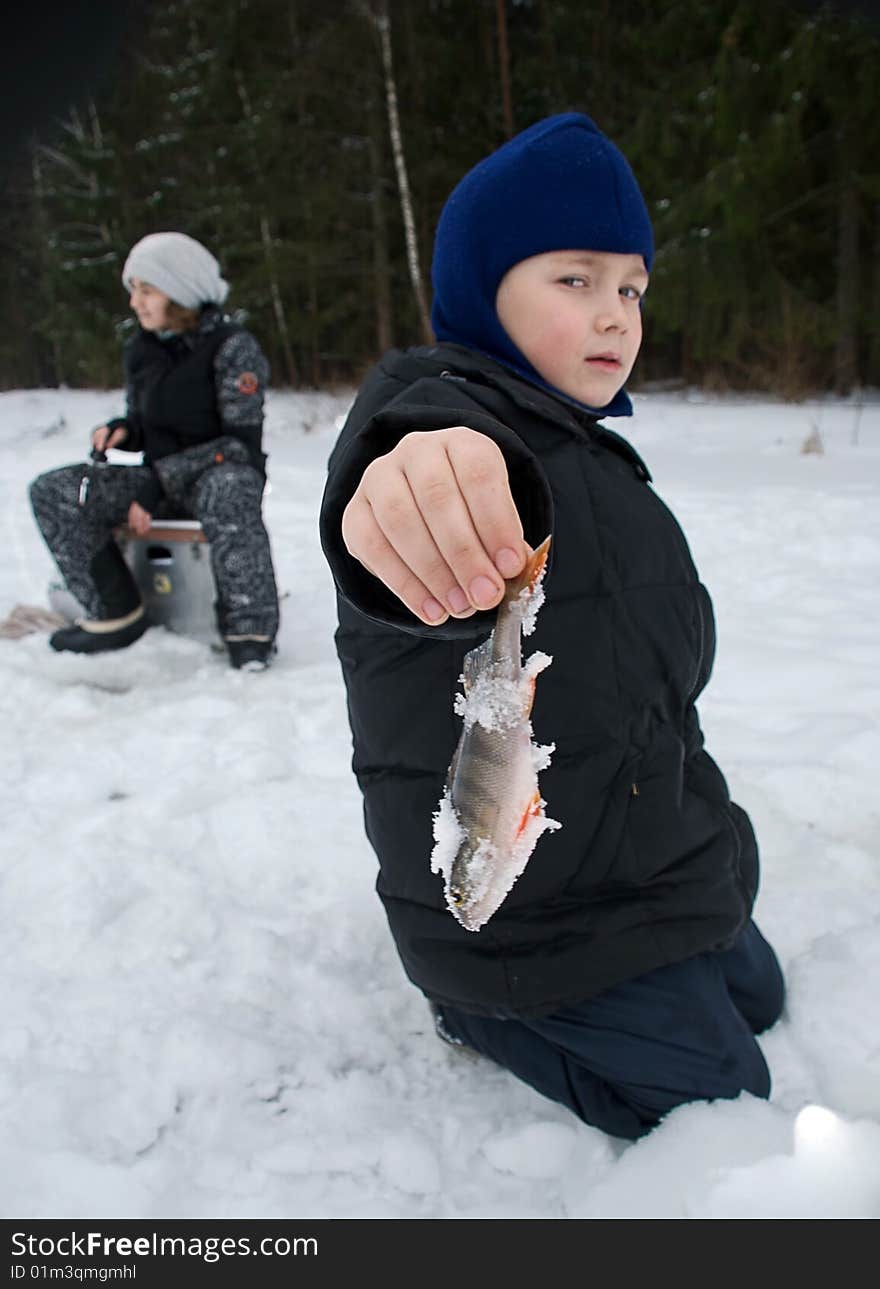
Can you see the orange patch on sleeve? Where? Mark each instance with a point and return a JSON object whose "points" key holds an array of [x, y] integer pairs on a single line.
{"points": [[247, 383]]}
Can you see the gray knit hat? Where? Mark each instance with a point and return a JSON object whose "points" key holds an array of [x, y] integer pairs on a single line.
{"points": [[178, 265]]}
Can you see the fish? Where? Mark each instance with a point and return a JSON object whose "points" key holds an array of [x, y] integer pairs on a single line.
{"points": [[491, 814]]}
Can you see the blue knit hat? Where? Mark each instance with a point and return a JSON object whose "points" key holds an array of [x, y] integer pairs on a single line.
{"points": [[560, 185]]}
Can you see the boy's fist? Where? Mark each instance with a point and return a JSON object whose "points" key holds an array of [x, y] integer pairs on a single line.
{"points": [[435, 521]]}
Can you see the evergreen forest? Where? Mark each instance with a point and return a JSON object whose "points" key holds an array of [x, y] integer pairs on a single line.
{"points": [[311, 147]]}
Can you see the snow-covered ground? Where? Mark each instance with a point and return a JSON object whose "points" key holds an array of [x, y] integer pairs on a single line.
{"points": [[203, 1013]]}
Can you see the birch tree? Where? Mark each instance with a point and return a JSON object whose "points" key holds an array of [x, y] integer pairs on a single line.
{"points": [[381, 19]]}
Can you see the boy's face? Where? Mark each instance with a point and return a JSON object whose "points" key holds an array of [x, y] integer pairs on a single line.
{"points": [[575, 316]]}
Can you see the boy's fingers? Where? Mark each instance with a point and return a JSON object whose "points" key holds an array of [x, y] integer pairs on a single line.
{"points": [[481, 473], [435, 521], [476, 583], [396, 513], [365, 540]]}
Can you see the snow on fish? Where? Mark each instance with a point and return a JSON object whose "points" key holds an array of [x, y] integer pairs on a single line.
{"points": [[492, 814]]}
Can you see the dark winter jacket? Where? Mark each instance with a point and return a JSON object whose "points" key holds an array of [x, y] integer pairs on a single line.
{"points": [[653, 863], [191, 388]]}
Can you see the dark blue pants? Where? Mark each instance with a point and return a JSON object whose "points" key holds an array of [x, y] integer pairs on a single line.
{"points": [[625, 1058]]}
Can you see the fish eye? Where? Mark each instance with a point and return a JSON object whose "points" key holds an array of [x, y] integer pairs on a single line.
{"points": [[457, 897]]}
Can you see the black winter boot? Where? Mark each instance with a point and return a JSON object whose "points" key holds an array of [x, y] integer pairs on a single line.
{"points": [[101, 636], [249, 654], [442, 1030]]}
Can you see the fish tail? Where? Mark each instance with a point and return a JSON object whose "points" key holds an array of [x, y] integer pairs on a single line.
{"points": [[531, 575]]}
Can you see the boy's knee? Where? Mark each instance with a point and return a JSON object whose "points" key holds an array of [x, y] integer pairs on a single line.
{"points": [[754, 979], [766, 1011], [744, 1070], [773, 998], [741, 1068], [748, 1072]]}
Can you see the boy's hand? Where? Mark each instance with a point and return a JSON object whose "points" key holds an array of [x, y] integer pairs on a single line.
{"points": [[103, 437], [435, 521]]}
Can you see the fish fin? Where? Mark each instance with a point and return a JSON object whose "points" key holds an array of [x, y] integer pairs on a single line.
{"points": [[531, 575], [453, 768], [535, 664], [474, 663], [532, 810], [530, 695]]}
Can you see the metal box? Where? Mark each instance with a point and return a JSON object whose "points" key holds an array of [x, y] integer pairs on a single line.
{"points": [[172, 567]]}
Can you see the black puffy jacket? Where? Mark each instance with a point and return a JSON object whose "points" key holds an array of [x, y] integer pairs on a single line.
{"points": [[653, 863]]}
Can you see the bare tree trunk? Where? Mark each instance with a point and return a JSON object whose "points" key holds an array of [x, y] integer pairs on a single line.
{"points": [[313, 357], [381, 257], [383, 26], [873, 375], [269, 247], [97, 133], [417, 99], [504, 68], [277, 302], [98, 138], [845, 355], [47, 267], [791, 376]]}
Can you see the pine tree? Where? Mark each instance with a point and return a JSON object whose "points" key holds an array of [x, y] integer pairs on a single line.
{"points": [[262, 129]]}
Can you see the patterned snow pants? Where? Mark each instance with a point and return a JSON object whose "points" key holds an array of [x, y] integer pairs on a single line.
{"points": [[226, 499]]}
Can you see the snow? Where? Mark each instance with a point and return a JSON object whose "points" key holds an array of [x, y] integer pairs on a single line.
{"points": [[491, 698], [529, 603], [204, 1015], [448, 836]]}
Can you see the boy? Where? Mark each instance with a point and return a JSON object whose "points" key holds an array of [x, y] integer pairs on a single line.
{"points": [[622, 975]]}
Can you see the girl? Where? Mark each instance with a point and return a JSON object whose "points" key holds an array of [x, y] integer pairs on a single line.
{"points": [[194, 385]]}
